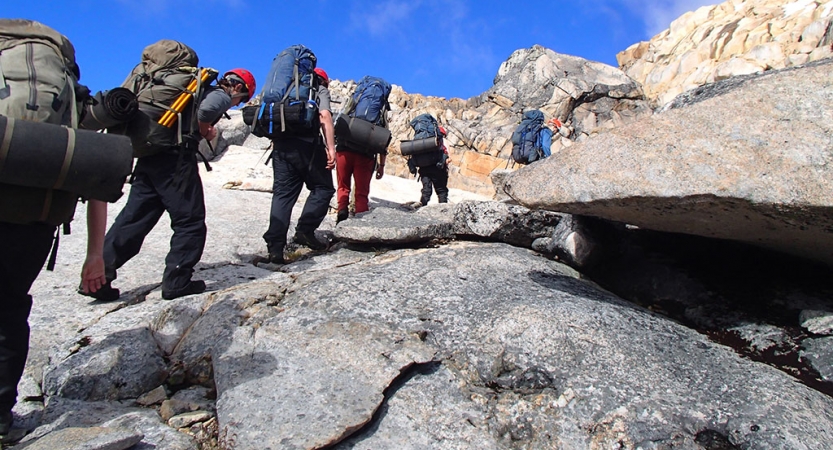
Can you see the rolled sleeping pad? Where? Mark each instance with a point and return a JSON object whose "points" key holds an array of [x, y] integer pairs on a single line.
{"points": [[362, 135], [110, 108], [417, 146], [42, 155]]}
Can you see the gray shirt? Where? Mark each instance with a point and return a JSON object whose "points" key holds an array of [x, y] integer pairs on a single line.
{"points": [[323, 96], [214, 103]]}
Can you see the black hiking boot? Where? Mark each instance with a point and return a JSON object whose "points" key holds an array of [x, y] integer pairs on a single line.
{"points": [[342, 215], [6, 420], [276, 258], [194, 287], [309, 240], [105, 293]]}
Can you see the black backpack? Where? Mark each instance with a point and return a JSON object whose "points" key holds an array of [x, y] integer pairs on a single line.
{"points": [[426, 128]]}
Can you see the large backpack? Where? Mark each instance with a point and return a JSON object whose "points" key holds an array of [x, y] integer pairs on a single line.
{"points": [[370, 100], [45, 89], [167, 78], [526, 145], [289, 104], [425, 126], [361, 127]]}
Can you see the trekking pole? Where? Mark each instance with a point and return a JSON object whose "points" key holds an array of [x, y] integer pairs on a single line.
{"points": [[169, 118]]}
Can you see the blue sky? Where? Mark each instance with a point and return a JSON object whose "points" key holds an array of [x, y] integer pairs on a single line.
{"points": [[449, 48]]}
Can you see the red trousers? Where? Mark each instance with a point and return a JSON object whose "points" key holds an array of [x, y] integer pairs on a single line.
{"points": [[350, 165]]}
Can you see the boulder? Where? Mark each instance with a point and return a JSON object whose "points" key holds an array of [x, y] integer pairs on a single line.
{"points": [[746, 159], [93, 438], [407, 346], [493, 221]]}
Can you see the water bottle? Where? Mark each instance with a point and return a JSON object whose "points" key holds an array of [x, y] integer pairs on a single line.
{"points": [[311, 111]]}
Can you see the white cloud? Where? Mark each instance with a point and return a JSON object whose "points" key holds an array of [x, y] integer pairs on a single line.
{"points": [[383, 18], [464, 50]]}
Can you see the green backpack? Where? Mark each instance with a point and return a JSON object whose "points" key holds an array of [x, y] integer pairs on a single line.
{"points": [[166, 71], [38, 82]]}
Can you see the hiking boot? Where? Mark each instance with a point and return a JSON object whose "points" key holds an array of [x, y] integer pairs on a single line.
{"points": [[342, 215], [276, 258], [309, 240], [6, 420], [105, 293], [194, 287]]}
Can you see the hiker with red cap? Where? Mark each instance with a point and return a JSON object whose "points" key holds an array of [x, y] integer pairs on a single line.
{"points": [[167, 178], [301, 156]]}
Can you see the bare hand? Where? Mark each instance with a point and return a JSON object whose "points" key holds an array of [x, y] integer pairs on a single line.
{"points": [[331, 159], [92, 274], [380, 172], [210, 133]]}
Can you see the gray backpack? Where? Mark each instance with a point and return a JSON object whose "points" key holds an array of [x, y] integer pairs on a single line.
{"points": [[38, 82], [168, 70]]}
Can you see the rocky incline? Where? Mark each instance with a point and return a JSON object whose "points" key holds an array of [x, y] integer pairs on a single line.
{"points": [[659, 285], [736, 37], [586, 96], [435, 328]]}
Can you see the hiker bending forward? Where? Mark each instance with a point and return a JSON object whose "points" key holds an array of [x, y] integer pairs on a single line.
{"points": [[170, 181], [26, 62], [299, 161]]}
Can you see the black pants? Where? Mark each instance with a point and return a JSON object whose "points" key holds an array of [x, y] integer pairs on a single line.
{"points": [[436, 178], [164, 182], [23, 250], [296, 163]]}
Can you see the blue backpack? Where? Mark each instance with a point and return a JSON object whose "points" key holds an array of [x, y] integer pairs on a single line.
{"points": [[529, 141], [371, 100], [289, 95]]}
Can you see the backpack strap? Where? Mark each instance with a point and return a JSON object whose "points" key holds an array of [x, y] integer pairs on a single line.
{"points": [[5, 89], [297, 81], [6, 142], [70, 152]]}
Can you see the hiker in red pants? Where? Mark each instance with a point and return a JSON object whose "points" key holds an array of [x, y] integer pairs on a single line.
{"points": [[351, 165]]}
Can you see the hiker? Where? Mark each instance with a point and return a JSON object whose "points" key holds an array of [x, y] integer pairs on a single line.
{"points": [[299, 155], [34, 55], [430, 163], [167, 178], [361, 143], [532, 139]]}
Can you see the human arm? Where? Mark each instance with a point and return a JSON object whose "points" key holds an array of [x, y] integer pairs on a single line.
{"points": [[380, 168], [92, 273], [213, 105], [329, 136]]}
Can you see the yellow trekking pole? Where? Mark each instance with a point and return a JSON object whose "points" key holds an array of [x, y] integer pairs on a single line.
{"points": [[169, 118]]}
